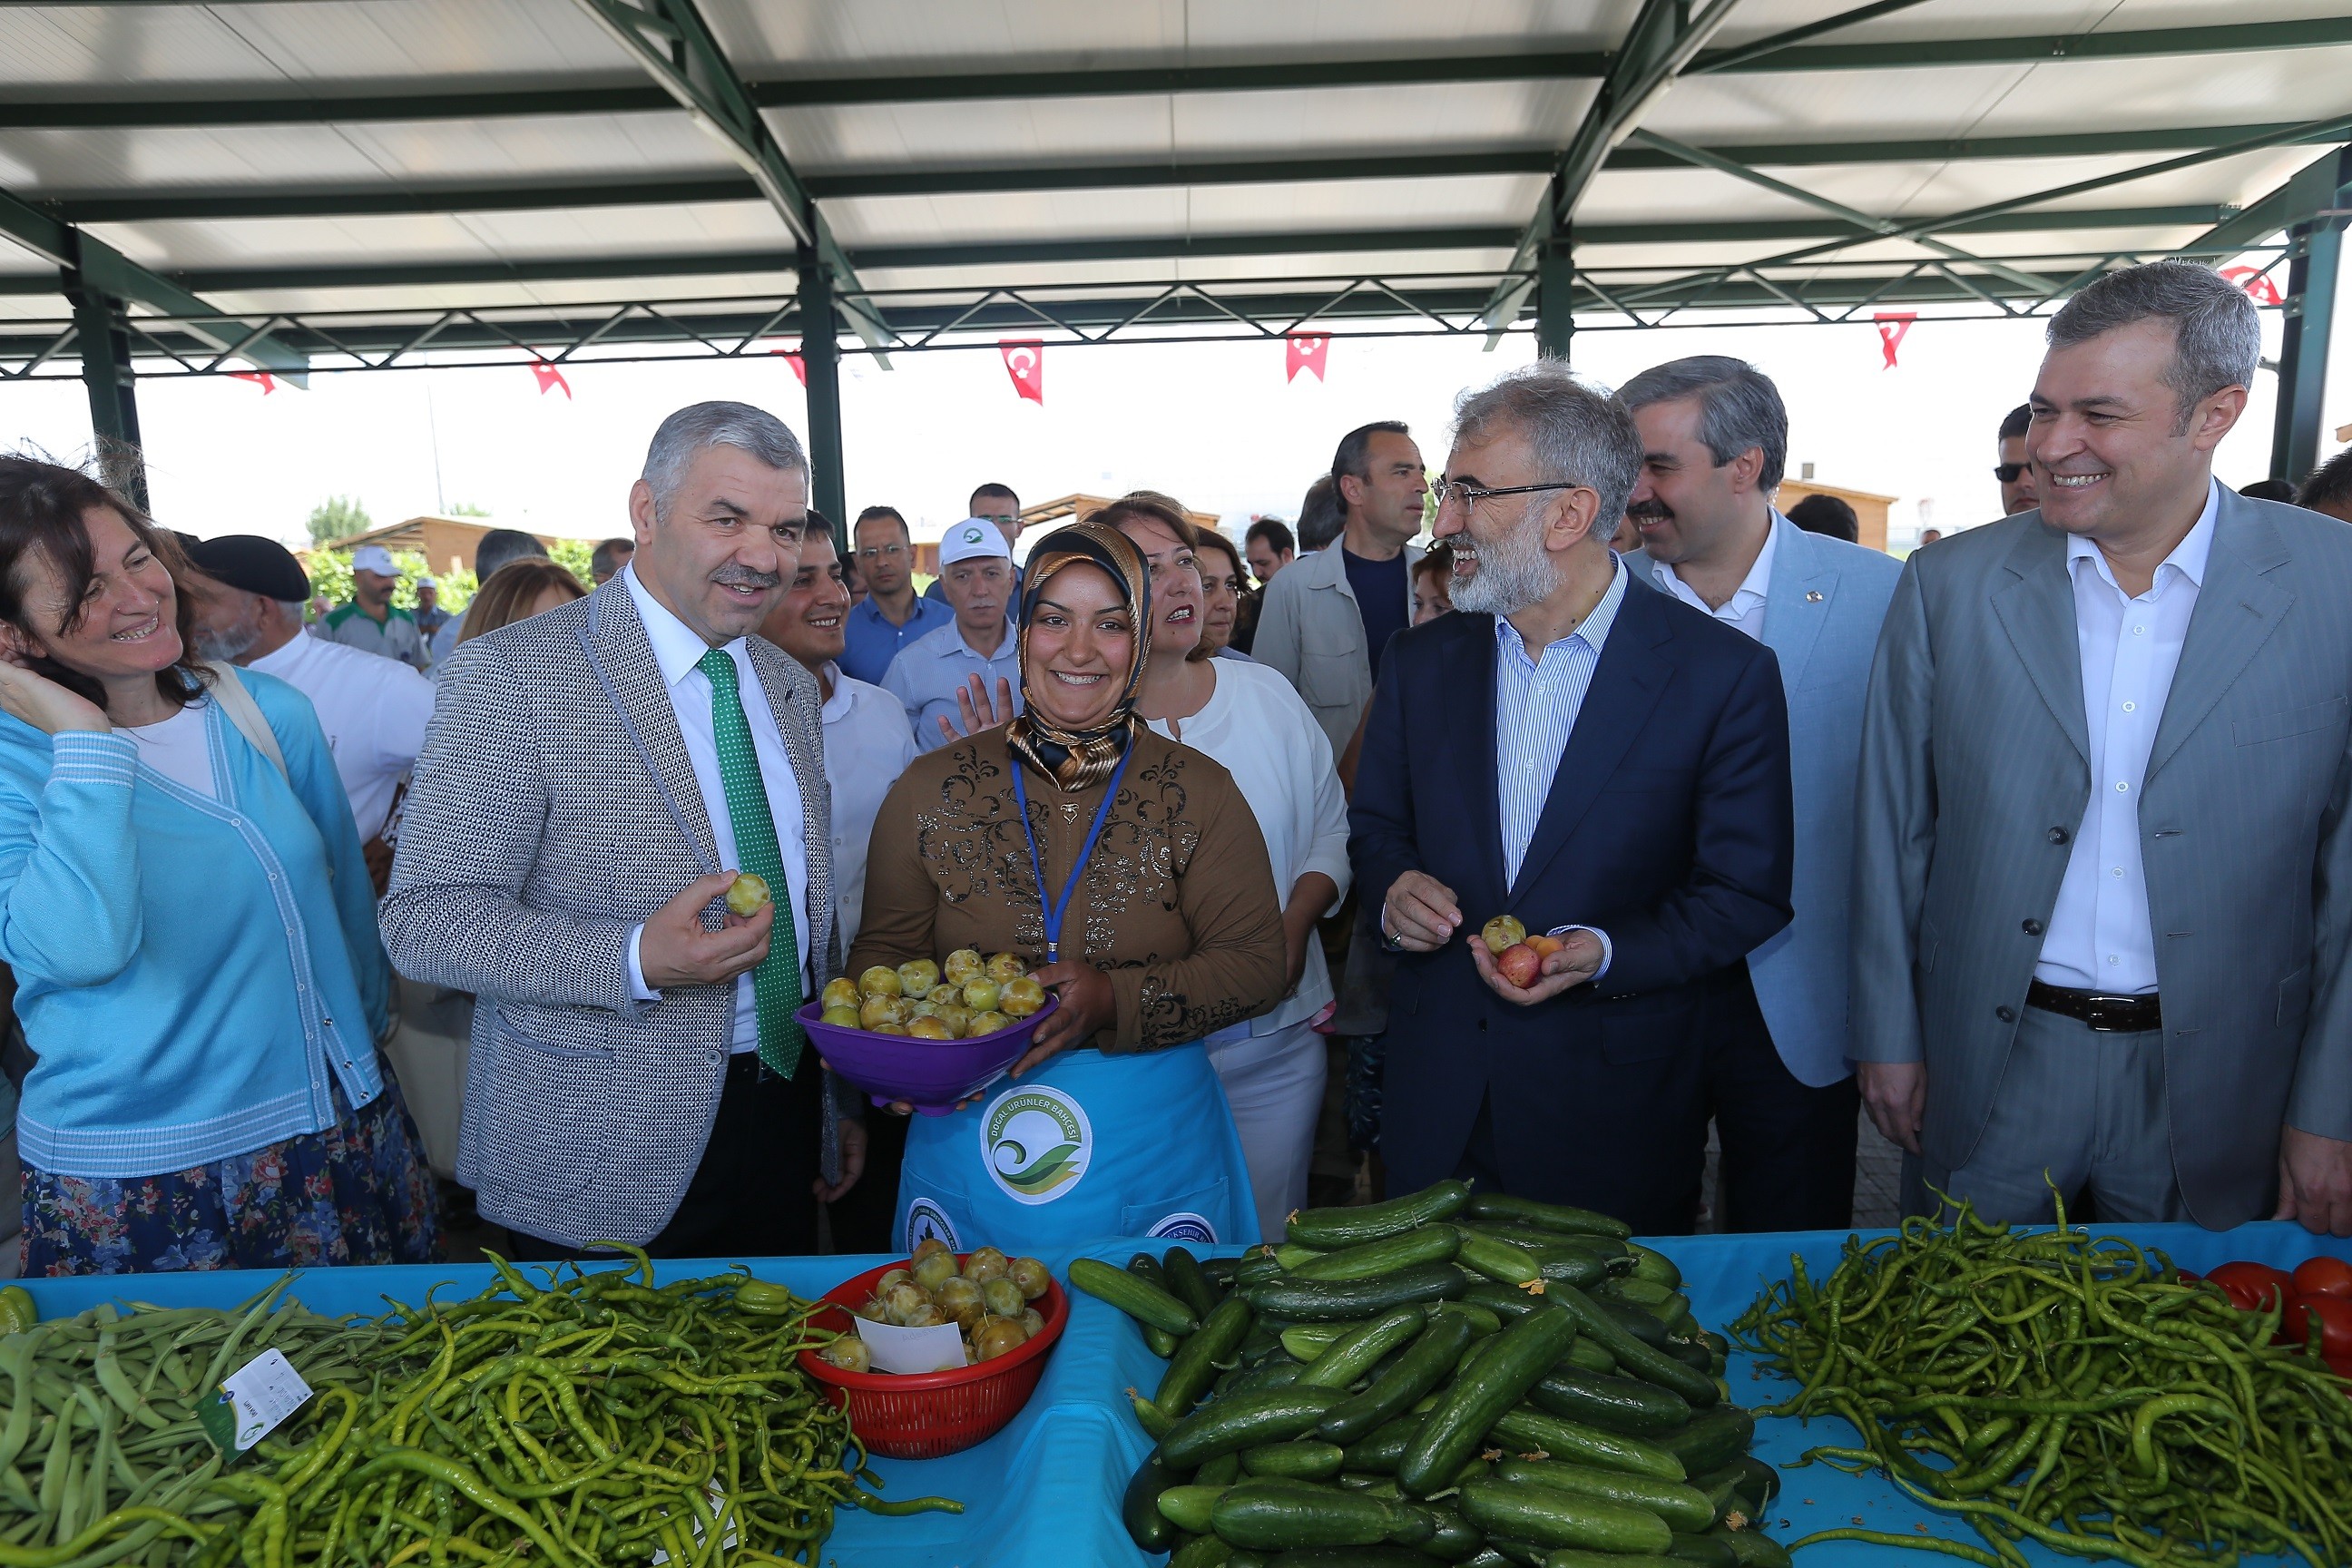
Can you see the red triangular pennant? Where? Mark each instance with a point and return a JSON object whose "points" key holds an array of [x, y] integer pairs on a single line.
{"points": [[800, 365], [1305, 351], [261, 378], [549, 376], [1024, 361], [1891, 325], [2256, 282]]}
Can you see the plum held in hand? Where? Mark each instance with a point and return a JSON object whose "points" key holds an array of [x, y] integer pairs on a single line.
{"points": [[1520, 964], [1502, 933], [747, 893]]}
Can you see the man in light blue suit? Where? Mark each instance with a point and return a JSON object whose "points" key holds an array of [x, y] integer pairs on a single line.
{"points": [[1781, 1090]]}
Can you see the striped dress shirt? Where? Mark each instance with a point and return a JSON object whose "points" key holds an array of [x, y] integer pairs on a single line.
{"points": [[1536, 704]]}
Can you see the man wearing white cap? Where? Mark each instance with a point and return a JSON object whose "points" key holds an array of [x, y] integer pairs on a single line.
{"points": [[371, 623], [976, 569]]}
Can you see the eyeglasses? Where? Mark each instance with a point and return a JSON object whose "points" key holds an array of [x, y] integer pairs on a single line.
{"points": [[878, 552], [2006, 473], [1449, 491]]}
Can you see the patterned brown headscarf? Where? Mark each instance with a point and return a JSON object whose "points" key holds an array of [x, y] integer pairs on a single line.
{"points": [[1077, 759]]}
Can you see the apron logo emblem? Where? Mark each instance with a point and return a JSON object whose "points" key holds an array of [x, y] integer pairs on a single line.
{"points": [[1036, 1144], [926, 1220], [1184, 1225]]}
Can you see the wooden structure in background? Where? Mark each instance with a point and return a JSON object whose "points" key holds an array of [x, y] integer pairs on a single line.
{"points": [[1869, 508], [446, 542]]}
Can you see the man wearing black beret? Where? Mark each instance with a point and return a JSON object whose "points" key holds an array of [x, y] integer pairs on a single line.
{"points": [[248, 601]]}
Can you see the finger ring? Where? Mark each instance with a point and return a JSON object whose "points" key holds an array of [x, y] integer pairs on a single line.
{"points": [[1393, 941]]}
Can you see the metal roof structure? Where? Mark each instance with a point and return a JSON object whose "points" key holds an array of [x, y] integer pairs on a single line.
{"points": [[300, 185]]}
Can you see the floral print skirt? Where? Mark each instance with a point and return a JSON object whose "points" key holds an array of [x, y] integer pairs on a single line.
{"points": [[357, 1192]]}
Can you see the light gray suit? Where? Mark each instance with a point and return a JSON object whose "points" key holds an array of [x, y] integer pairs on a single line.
{"points": [[1312, 630], [1976, 776], [554, 809], [1822, 610]]}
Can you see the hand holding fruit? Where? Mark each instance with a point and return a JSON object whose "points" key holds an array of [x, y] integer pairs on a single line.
{"points": [[1531, 969], [1421, 913], [1088, 1006], [674, 949]]}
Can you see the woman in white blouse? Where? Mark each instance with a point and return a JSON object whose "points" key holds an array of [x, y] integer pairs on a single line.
{"points": [[1247, 717]]}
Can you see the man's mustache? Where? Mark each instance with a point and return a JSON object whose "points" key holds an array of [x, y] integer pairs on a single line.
{"points": [[738, 577], [1653, 507]]}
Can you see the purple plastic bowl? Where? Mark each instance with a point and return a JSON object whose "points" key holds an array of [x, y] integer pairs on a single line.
{"points": [[931, 1075]]}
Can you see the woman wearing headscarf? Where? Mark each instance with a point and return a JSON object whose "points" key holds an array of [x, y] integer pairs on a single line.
{"points": [[1127, 870]]}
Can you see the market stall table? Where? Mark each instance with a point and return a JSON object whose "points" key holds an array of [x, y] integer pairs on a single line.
{"points": [[1046, 1491]]}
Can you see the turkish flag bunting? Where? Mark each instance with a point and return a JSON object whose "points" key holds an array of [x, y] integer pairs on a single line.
{"points": [[550, 376], [1306, 352], [2255, 282], [261, 378], [1891, 325], [1024, 361], [800, 365]]}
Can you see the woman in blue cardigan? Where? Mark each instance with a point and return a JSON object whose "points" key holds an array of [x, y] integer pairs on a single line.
{"points": [[190, 925]]}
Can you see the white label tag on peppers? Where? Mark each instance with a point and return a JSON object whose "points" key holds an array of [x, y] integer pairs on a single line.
{"points": [[253, 1402], [718, 1504]]}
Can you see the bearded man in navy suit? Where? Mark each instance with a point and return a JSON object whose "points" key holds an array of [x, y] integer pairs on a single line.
{"points": [[1603, 762]]}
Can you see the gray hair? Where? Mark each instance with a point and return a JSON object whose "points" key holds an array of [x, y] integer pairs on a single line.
{"points": [[2217, 331], [1739, 408], [1580, 432], [693, 429]]}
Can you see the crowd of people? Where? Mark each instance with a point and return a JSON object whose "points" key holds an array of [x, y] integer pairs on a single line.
{"points": [[2032, 849]]}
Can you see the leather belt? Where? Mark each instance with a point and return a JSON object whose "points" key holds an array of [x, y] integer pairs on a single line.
{"points": [[2105, 1014]]}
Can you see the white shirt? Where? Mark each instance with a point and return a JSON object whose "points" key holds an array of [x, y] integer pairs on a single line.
{"points": [[1745, 609], [179, 748], [1259, 728], [679, 650], [867, 747], [373, 711], [2100, 937]]}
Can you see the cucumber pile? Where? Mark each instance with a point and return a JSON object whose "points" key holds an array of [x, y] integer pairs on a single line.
{"points": [[1440, 1378]]}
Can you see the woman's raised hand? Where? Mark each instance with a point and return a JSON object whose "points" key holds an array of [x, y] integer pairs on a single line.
{"points": [[36, 699]]}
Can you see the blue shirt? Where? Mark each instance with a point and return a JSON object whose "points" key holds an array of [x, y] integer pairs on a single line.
{"points": [[1536, 704], [935, 667], [1383, 592], [193, 970], [870, 642]]}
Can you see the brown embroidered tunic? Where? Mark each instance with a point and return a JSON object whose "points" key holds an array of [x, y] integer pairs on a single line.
{"points": [[1177, 906]]}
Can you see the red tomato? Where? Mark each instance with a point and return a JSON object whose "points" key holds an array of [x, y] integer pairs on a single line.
{"points": [[2323, 1277], [2333, 1317], [2254, 1287]]}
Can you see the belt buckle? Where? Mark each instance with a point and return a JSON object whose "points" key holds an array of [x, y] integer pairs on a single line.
{"points": [[2108, 1015]]}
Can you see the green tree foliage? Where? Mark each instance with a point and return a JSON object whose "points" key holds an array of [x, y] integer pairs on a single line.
{"points": [[338, 517], [331, 579], [468, 508]]}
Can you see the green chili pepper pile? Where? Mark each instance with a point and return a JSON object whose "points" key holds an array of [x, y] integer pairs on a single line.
{"points": [[2047, 1385], [594, 1419]]}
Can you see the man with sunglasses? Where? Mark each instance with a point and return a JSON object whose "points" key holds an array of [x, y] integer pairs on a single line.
{"points": [[1600, 762], [2014, 474], [891, 617]]}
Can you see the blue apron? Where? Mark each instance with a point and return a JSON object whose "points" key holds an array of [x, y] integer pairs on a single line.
{"points": [[1083, 1147]]}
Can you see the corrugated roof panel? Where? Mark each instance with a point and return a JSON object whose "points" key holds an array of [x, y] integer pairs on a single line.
{"points": [[879, 36], [2015, 18]]}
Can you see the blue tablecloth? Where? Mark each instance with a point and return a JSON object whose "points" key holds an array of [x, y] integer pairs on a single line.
{"points": [[1043, 1493]]}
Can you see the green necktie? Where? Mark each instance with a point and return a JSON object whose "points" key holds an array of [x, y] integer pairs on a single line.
{"points": [[776, 983]]}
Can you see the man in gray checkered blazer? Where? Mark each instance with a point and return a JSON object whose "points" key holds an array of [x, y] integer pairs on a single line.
{"points": [[592, 781]]}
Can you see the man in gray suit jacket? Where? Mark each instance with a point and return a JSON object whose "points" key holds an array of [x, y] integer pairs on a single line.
{"points": [[593, 781], [2103, 873], [1715, 437]]}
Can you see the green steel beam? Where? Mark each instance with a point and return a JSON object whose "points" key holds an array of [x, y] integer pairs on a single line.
{"points": [[676, 47], [88, 266], [1664, 37], [1742, 54], [103, 340], [975, 82], [267, 202], [821, 370], [706, 264], [2308, 190], [2318, 195]]}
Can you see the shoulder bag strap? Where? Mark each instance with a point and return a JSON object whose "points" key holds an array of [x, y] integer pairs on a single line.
{"points": [[238, 706]]}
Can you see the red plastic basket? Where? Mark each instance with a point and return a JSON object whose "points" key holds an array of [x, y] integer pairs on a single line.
{"points": [[931, 1414]]}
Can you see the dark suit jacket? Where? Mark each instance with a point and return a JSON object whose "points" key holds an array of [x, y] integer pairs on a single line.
{"points": [[1668, 827]]}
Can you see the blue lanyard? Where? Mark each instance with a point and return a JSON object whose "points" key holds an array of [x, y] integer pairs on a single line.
{"points": [[1054, 910]]}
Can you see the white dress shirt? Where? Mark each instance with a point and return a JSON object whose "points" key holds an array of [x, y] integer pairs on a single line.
{"points": [[1260, 730], [867, 747], [1537, 702], [373, 711], [679, 650], [2100, 938], [1744, 611]]}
